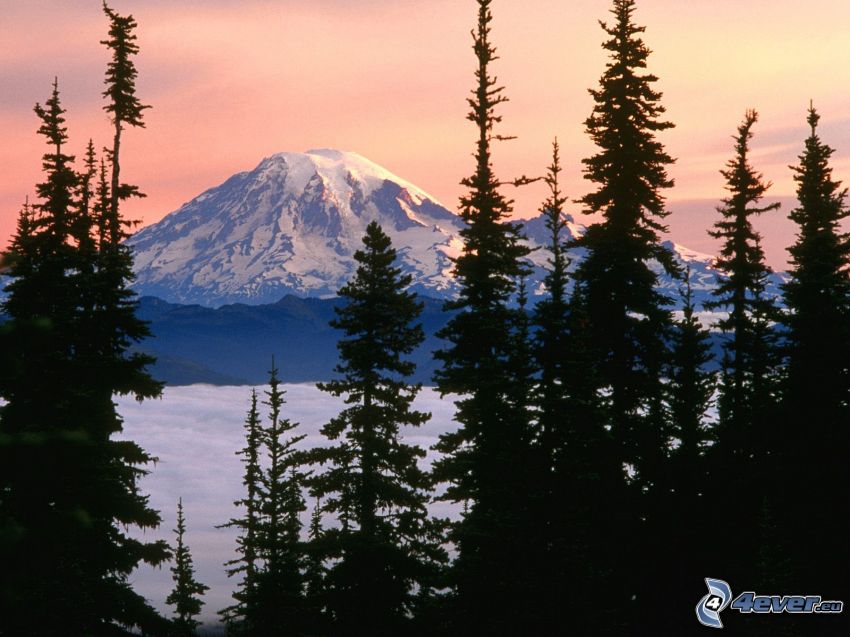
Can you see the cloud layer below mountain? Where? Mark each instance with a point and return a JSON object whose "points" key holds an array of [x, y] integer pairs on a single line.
{"points": [[195, 431]]}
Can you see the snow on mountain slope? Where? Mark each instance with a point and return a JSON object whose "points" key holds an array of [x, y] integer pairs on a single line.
{"points": [[293, 223]]}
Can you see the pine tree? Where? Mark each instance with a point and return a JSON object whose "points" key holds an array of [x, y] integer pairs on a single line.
{"points": [[486, 460], [280, 603], [628, 318], [815, 421], [385, 549], [240, 615], [748, 389], [186, 596]]}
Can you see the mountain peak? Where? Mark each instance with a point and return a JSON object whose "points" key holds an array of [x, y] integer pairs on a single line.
{"points": [[338, 169], [292, 225]]}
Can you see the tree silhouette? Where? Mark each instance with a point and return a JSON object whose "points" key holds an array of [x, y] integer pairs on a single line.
{"points": [[628, 318], [486, 460], [747, 390], [186, 596], [386, 549], [246, 563], [815, 412]]}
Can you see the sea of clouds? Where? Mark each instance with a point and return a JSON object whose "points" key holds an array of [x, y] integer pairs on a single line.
{"points": [[195, 432]]}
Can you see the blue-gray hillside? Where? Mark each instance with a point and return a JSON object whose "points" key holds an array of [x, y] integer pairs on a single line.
{"points": [[234, 344]]}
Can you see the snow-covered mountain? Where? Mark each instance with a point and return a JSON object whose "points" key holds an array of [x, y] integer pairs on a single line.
{"points": [[292, 224]]}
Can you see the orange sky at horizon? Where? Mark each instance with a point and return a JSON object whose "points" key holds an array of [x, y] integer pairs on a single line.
{"points": [[232, 81]]}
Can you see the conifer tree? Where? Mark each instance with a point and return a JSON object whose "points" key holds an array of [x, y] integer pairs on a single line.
{"points": [[86, 488], [551, 318], [815, 420], [741, 289], [748, 388], [486, 460], [591, 518], [552, 400], [84, 222], [119, 370], [242, 612], [272, 558], [314, 574], [691, 389], [574, 449], [690, 397], [88, 480], [40, 434], [123, 105], [186, 596], [627, 317], [280, 603], [385, 550]]}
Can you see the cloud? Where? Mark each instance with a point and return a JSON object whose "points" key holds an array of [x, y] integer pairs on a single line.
{"points": [[194, 432]]}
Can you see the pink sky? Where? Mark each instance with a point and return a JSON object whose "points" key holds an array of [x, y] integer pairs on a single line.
{"points": [[232, 81]]}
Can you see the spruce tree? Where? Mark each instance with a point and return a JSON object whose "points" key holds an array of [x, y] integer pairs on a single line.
{"points": [[90, 481], [747, 390], [240, 615], [385, 549], [815, 417], [690, 397], [186, 596], [551, 316], [83, 227], [118, 368], [123, 105], [552, 401], [280, 603], [42, 436], [486, 460], [628, 318], [86, 489], [691, 390], [628, 315], [272, 558], [574, 450], [314, 574], [741, 288]]}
